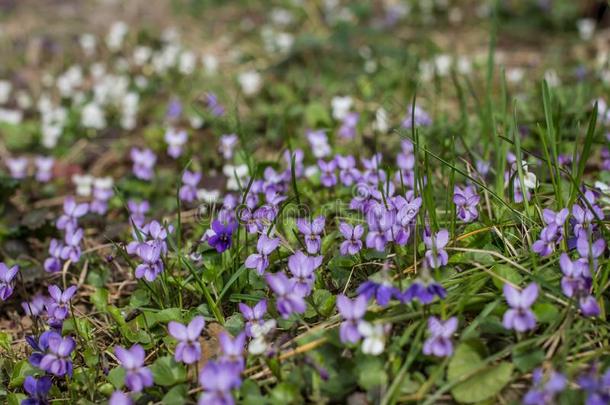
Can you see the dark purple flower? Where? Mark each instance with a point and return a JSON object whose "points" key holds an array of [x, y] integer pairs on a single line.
{"points": [[72, 211], [520, 317], [382, 292], [302, 268], [57, 360], [137, 376], [288, 301], [188, 191], [217, 380], [6, 280], [143, 163], [544, 390], [312, 231], [53, 264], [352, 312], [253, 315], [58, 305], [260, 260], [466, 200], [188, 349], [220, 236], [232, 349], [439, 342], [424, 292], [152, 265], [39, 347], [589, 252], [436, 255], [596, 387], [353, 235], [37, 389]]}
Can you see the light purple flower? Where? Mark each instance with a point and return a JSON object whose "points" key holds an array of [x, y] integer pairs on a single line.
{"points": [[119, 398], [288, 301], [143, 163], [102, 192], [520, 317], [253, 315], [57, 360], [348, 174], [439, 342], [589, 306], [175, 139], [348, 126], [71, 249], [7, 275], [544, 390], [214, 106], [188, 190], [227, 145], [589, 252], [318, 142], [188, 349], [217, 380], [311, 231], [18, 167], [58, 305], [436, 255], [328, 177], [137, 376], [137, 211], [416, 116], [72, 211], [44, 168], [353, 238], [260, 260], [152, 264], [407, 212], [232, 349], [574, 281], [302, 267], [36, 306], [352, 312]]}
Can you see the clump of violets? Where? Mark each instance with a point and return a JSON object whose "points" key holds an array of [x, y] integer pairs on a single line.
{"points": [[545, 387], [218, 379], [520, 316], [288, 300], [260, 260], [37, 390], [466, 201], [137, 376], [188, 349], [436, 255], [352, 312], [220, 236], [311, 232], [7, 275], [439, 342], [143, 163], [353, 239], [188, 190]]}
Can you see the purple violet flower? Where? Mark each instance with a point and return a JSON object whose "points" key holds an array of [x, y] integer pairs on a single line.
{"points": [[37, 389], [188, 349], [227, 145], [520, 317], [544, 391], [59, 303], [188, 190], [217, 380], [175, 140], [260, 260], [439, 342], [328, 177], [137, 211], [215, 108], [153, 265], [71, 249], [233, 349], [143, 163], [120, 398], [7, 275], [352, 312], [312, 231], [417, 116], [57, 360], [348, 126], [44, 168], [72, 211], [353, 238], [424, 292], [302, 268], [436, 255], [137, 376], [382, 292], [466, 200], [18, 167], [220, 236], [253, 315], [288, 300]]}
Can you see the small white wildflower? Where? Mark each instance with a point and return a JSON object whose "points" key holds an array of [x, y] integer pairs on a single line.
{"points": [[250, 82], [5, 90], [116, 35], [374, 337], [586, 28], [341, 106], [93, 116], [381, 123], [83, 183]]}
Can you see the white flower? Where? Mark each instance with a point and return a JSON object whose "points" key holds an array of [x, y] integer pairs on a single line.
{"points": [[311, 171], [552, 78], [93, 116], [281, 17], [5, 91], [13, 117], [188, 63], [141, 55], [210, 63], [69, 81], [586, 28], [88, 42], [443, 64], [341, 106], [103, 183], [374, 337], [604, 198], [236, 175], [208, 196], [196, 121], [515, 75], [381, 123], [319, 143], [24, 101], [259, 345], [250, 82], [83, 183], [116, 35]]}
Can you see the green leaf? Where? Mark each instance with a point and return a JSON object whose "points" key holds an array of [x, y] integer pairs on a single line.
{"points": [[506, 272], [483, 382], [177, 395], [100, 299], [371, 373], [526, 360], [284, 393], [21, 370], [116, 376], [545, 312], [15, 399], [166, 372]]}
